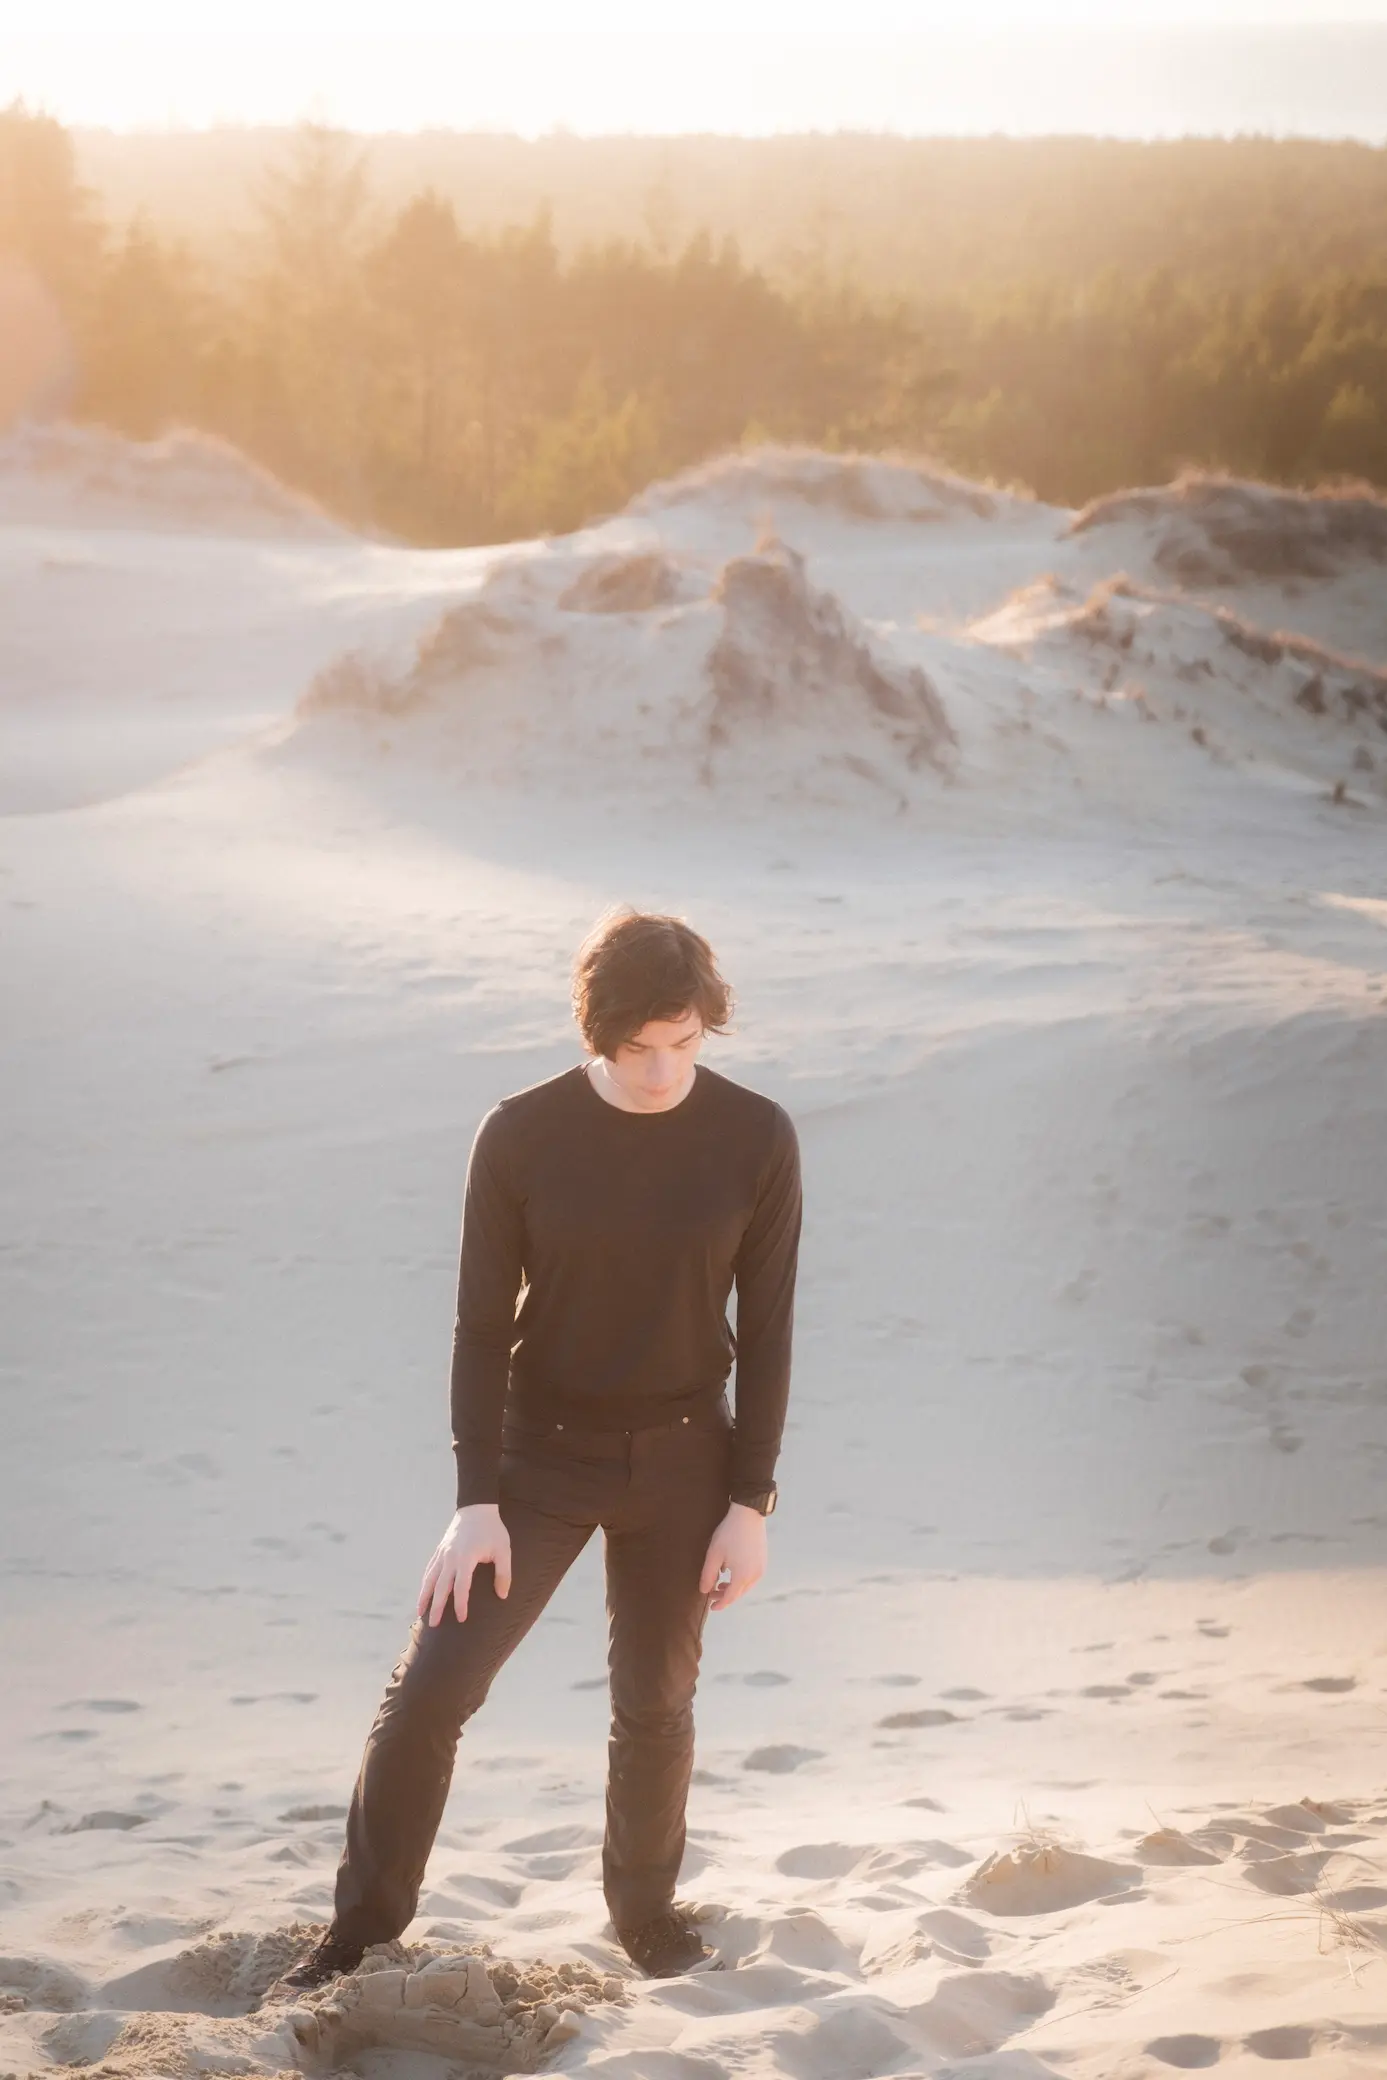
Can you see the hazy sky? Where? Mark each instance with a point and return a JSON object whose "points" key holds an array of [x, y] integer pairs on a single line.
{"points": [[1114, 66]]}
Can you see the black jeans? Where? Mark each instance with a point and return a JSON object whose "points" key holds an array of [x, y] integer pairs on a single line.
{"points": [[658, 1495]]}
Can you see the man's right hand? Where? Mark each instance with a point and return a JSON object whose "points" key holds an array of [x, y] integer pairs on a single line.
{"points": [[476, 1534]]}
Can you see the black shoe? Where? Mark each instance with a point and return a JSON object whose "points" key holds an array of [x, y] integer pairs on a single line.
{"points": [[329, 1956], [666, 1944]]}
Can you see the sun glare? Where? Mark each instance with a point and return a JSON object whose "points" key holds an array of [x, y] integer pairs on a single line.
{"points": [[1019, 66]]}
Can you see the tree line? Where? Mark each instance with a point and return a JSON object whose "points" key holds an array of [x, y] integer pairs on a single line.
{"points": [[454, 385]]}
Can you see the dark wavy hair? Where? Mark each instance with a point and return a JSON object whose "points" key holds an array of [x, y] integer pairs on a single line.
{"points": [[635, 966]]}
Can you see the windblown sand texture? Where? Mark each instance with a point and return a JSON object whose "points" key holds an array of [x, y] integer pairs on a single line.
{"points": [[1047, 850]]}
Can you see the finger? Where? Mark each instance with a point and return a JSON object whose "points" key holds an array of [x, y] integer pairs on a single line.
{"points": [[442, 1590], [502, 1565], [712, 1568], [736, 1585], [462, 1589], [426, 1586]]}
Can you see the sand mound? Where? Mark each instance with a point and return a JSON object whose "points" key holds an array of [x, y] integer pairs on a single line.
{"points": [[1243, 694], [857, 487], [463, 2005], [975, 2012], [33, 1982], [75, 476], [766, 676], [786, 651], [225, 1975], [1216, 530], [1040, 1876]]}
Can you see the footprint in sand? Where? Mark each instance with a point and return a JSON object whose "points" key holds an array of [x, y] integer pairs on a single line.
{"points": [[976, 2011], [780, 1758], [1329, 1686], [929, 1716], [906, 1937], [1186, 2052], [117, 1823], [759, 1678], [1359, 1899], [280, 1697], [82, 2040], [1112, 1691], [1287, 1876], [1285, 2041], [1301, 1819], [1168, 1847], [295, 1813], [821, 1859], [298, 1852], [567, 1835]]}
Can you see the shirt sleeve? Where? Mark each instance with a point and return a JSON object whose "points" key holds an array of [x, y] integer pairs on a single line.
{"points": [[490, 1272], [765, 1276]]}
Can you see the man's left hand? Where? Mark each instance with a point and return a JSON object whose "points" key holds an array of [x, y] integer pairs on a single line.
{"points": [[739, 1546]]}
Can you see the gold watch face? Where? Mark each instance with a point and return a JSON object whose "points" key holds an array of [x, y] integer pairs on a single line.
{"points": [[769, 1509]]}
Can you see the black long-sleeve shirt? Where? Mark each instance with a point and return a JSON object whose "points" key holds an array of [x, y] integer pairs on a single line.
{"points": [[623, 1234]]}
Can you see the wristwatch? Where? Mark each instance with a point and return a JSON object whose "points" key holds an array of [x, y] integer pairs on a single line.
{"points": [[761, 1499]]}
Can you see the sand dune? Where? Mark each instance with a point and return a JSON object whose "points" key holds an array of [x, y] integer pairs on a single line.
{"points": [[643, 662], [754, 678], [1268, 703], [1212, 530], [185, 483], [1046, 851]]}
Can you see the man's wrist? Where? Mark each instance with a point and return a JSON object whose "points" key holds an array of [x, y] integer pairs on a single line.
{"points": [[469, 1497], [760, 1500]]}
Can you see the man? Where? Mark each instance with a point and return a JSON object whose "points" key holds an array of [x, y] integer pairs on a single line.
{"points": [[621, 1202]]}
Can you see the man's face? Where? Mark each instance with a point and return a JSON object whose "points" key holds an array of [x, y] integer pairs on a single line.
{"points": [[655, 1069]]}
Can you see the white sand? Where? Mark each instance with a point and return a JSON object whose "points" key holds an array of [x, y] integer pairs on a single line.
{"points": [[1051, 1745]]}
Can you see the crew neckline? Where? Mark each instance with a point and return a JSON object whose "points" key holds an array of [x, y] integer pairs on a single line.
{"points": [[668, 1112]]}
